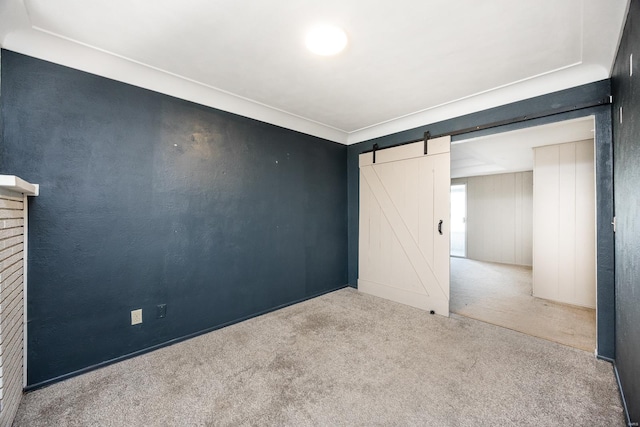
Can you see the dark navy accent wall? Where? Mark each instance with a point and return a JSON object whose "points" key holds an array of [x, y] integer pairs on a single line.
{"points": [[626, 137], [604, 171], [147, 199]]}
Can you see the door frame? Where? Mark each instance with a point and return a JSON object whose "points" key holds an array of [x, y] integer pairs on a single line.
{"points": [[601, 110], [605, 237]]}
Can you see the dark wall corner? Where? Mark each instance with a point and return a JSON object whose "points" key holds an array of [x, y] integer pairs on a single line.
{"points": [[626, 139]]}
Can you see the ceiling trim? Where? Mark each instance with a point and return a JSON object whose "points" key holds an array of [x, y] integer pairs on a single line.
{"points": [[557, 80], [60, 50], [71, 53], [17, 34]]}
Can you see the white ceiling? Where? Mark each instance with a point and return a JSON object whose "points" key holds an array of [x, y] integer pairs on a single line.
{"points": [[408, 62], [513, 151]]}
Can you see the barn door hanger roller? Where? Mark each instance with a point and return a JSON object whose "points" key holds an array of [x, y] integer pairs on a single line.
{"points": [[427, 136]]}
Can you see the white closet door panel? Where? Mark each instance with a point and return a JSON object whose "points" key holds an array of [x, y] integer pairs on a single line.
{"points": [[564, 223], [566, 240], [518, 255], [491, 199], [545, 222], [507, 224]]}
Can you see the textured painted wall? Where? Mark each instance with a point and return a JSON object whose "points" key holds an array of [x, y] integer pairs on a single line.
{"points": [[604, 174], [147, 200], [626, 135]]}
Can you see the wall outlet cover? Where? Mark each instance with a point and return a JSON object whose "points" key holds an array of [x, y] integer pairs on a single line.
{"points": [[136, 316], [161, 311]]}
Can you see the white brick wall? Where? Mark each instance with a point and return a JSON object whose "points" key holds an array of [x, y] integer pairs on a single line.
{"points": [[11, 303]]}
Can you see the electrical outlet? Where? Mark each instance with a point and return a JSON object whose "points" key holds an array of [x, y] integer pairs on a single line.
{"points": [[136, 316], [161, 311]]}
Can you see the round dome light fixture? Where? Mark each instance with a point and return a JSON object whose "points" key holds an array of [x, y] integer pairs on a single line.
{"points": [[326, 40]]}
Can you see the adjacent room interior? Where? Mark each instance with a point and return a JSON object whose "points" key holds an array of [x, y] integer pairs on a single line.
{"points": [[506, 237], [320, 213]]}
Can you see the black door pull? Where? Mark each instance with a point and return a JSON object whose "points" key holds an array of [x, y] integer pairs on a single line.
{"points": [[440, 227]]}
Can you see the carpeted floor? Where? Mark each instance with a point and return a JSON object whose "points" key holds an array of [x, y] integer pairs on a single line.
{"points": [[342, 359], [500, 294]]}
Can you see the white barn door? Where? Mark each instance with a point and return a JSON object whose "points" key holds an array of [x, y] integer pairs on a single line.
{"points": [[404, 224]]}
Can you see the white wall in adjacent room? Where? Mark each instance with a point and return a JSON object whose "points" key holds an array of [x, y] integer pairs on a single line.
{"points": [[499, 217], [564, 223]]}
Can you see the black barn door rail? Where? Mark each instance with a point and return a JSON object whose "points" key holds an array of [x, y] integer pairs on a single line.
{"points": [[548, 113]]}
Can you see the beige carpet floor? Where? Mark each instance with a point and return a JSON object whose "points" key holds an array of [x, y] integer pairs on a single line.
{"points": [[343, 359], [500, 294]]}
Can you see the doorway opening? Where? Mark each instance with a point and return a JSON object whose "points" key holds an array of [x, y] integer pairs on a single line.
{"points": [[459, 220], [529, 260]]}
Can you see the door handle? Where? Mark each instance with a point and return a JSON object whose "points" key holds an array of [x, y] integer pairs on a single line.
{"points": [[440, 227]]}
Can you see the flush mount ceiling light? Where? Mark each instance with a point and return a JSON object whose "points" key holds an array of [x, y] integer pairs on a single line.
{"points": [[326, 40]]}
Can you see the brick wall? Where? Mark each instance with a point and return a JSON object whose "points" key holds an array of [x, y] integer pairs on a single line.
{"points": [[11, 303]]}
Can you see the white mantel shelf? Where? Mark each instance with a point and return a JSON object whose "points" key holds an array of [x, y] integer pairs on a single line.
{"points": [[19, 185]]}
